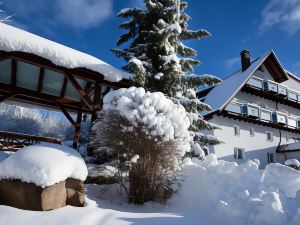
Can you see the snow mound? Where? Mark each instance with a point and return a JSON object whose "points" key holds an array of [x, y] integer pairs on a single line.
{"points": [[221, 192], [44, 165], [282, 177], [159, 114], [14, 39], [292, 162], [4, 155]]}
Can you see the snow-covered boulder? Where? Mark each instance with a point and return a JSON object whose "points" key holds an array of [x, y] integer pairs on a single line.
{"points": [[292, 162], [44, 165], [42, 177]]}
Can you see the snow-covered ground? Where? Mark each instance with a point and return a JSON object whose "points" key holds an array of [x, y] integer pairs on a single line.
{"points": [[212, 192]]}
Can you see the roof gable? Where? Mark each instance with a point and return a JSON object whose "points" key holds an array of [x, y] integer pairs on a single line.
{"points": [[223, 93]]}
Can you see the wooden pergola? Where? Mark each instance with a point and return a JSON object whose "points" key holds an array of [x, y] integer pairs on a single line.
{"points": [[27, 77]]}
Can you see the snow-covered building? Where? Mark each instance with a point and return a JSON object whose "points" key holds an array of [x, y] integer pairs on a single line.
{"points": [[35, 70], [258, 111]]}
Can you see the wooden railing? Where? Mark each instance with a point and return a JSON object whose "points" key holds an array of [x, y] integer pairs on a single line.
{"points": [[10, 141]]}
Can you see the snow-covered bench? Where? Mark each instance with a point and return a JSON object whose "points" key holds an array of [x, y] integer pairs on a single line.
{"points": [[42, 177]]}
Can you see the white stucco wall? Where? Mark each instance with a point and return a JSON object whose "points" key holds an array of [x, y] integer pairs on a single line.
{"points": [[256, 147]]}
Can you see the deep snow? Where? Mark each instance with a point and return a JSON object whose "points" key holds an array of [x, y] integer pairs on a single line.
{"points": [[213, 192]]}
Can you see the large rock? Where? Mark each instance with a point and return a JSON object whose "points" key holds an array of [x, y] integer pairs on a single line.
{"points": [[28, 196], [75, 192]]}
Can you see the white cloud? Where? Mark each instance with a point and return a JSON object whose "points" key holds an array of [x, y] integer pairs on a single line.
{"points": [[78, 14], [282, 13], [84, 13], [233, 62]]}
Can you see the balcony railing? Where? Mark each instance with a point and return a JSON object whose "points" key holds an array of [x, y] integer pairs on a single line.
{"points": [[255, 112], [274, 88]]}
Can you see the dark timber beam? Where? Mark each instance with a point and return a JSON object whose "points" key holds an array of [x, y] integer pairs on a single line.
{"points": [[84, 96], [6, 97], [67, 114], [63, 89], [97, 98], [77, 130], [41, 79], [13, 72]]}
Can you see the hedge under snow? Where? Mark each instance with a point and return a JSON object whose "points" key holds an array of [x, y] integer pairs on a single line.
{"points": [[160, 116], [44, 165]]}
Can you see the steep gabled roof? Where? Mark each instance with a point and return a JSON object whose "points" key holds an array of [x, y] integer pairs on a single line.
{"points": [[223, 93]]}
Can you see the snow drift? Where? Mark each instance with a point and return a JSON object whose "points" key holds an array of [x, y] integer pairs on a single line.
{"points": [[44, 165]]}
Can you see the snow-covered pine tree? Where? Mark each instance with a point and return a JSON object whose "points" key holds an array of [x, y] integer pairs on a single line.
{"points": [[156, 53]]}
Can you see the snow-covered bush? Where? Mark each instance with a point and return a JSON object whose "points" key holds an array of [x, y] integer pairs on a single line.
{"points": [[148, 133]]}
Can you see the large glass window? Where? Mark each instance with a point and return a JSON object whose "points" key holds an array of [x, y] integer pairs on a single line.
{"points": [[52, 82], [71, 92], [5, 71], [27, 75]]}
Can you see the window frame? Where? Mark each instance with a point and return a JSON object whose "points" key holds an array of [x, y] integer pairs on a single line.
{"points": [[271, 136], [236, 130], [237, 154], [252, 132], [270, 157]]}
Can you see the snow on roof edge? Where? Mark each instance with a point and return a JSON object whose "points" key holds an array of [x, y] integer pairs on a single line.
{"points": [[15, 39]]}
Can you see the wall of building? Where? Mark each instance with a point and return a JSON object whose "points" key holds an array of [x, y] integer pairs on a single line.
{"points": [[256, 147]]}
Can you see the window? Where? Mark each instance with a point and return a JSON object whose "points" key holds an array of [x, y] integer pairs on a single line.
{"points": [[239, 153], [270, 157], [236, 130], [252, 132], [269, 136]]}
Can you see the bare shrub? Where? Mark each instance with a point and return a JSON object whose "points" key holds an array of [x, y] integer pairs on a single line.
{"points": [[149, 178]]}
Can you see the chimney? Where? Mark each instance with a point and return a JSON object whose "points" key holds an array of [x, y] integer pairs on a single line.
{"points": [[245, 59]]}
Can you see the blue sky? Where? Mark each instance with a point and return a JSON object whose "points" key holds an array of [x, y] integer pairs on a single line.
{"points": [[91, 26]]}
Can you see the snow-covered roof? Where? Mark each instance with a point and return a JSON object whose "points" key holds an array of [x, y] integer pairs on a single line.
{"points": [[44, 165], [14, 39], [223, 93]]}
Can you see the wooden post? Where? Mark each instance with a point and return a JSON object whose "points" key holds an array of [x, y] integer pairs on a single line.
{"points": [[96, 102], [77, 130]]}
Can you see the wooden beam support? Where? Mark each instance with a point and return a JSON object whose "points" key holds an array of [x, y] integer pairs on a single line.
{"points": [[14, 72], [66, 113], [97, 98], [6, 97], [63, 89], [41, 79], [77, 130], [84, 96]]}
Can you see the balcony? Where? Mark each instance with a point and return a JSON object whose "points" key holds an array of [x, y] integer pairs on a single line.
{"points": [[266, 115], [272, 91], [250, 111], [292, 122], [256, 82], [255, 114], [271, 87], [279, 118], [234, 108]]}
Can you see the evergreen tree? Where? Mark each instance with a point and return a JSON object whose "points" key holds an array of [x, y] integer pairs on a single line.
{"points": [[156, 53]]}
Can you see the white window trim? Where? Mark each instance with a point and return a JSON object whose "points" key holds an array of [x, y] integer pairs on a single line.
{"points": [[252, 132], [236, 153], [269, 157], [238, 130], [272, 138]]}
